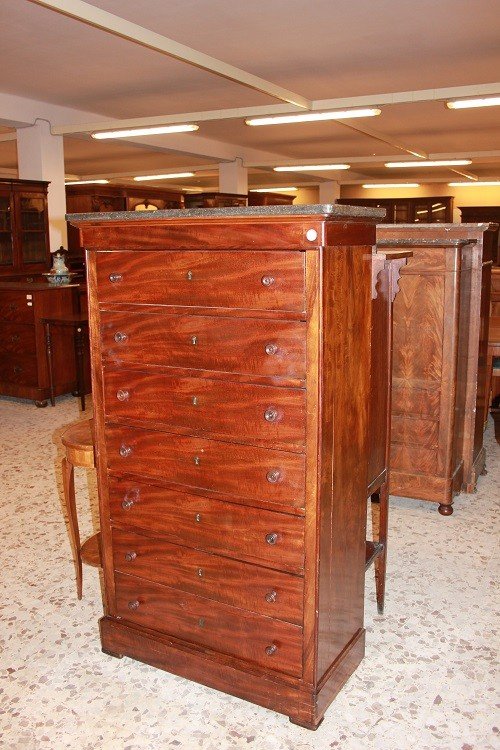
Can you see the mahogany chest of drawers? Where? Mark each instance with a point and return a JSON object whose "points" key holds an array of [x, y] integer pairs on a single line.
{"points": [[233, 381], [439, 367]]}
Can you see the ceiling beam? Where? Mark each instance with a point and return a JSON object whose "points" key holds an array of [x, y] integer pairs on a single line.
{"points": [[112, 24], [370, 100]]}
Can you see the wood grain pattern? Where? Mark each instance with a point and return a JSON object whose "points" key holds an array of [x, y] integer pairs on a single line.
{"points": [[345, 422], [211, 525], [205, 343], [205, 622], [179, 515], [266, 592], [438, 377], [238, 470], [264, 280], [261, 415]]}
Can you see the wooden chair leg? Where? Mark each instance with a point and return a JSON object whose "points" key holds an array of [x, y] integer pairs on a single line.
{"points": [[381, 559], [74, 532]]}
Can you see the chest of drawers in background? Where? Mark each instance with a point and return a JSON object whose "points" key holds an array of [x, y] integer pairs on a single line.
{"points": [[23, 357], [440, 346], [232, 378]]}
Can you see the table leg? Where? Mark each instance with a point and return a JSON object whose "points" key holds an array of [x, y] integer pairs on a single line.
{"points": [[48, 346], [79, 364]]}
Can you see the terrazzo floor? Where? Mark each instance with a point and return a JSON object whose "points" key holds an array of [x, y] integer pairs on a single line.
{"points": [[428, 679]]}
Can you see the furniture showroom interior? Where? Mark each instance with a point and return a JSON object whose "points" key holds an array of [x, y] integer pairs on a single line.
{"points": [[249, 374]]}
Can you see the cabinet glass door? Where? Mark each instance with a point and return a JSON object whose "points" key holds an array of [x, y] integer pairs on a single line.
{"points": [[6, 248], [422, 213], [33, 238], [401, 212], [438, 212]]}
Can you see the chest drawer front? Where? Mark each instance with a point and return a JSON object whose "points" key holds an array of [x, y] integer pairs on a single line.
{"points": [[238, 470], [249, 413], [14, 307], [257, 639], [17, 338], [19, 368], [205, 343], [261, 536], [252, 280], [250, 587]]}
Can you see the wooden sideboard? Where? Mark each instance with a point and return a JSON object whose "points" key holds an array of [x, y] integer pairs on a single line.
{"points": [[24, 230], [439, 364], [234, 380], [23, 357]]}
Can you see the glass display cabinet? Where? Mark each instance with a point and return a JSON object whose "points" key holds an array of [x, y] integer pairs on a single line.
{"points": [[24, 235]]}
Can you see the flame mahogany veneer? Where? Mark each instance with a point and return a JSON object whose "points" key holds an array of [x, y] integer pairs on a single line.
{"points": [[241, 385], [440, 352]]}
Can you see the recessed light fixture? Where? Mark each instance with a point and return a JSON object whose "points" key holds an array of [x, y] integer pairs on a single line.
{"points": [[87, 182], [274, 190], [429, 163], [312, 168], [340, 114], [488, 101], [145, 177], [478, 183], [394, 185], [144, 131]]}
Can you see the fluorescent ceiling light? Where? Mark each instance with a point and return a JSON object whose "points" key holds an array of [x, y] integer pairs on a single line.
{"points": [[489, 101], [430, 163], [145, 177], [87, 182], [340, 114], [274, 190], [311, 168], [144, 131], [469, 183], [394, 185]]}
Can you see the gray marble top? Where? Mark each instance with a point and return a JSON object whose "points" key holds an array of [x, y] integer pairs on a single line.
{"points": [[327, 210]]}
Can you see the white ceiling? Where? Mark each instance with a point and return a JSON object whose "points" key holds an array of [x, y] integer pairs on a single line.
{"points": [[321, 49]]}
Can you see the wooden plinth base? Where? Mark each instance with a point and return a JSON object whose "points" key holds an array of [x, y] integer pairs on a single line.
{"points": [[302, 703]]}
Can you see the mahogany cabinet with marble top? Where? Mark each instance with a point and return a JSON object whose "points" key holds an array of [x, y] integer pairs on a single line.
{"points": [[439, 359], [234, 383]]}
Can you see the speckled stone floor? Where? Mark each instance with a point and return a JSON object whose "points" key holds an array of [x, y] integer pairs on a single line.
{"points": [[428, 679]]}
